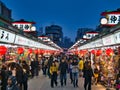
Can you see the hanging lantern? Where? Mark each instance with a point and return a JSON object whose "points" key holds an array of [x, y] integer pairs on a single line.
{"points": [[93, 51], [20, 50], [36, 51], [109, 51], [3, 50], [81, 52], [40, 51], [30, 50], [98, 52]]}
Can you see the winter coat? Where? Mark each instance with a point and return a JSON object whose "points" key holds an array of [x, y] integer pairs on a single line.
{"points": [[13, 85]]}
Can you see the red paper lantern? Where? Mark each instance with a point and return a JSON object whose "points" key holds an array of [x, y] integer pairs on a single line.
{"points": [[36, 51], [93, 51], [109, 51], [3, 50], [30, 50], [20, 50], [99, 52]]}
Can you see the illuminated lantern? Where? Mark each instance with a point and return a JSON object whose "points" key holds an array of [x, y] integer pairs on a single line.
{"points": [[109, 51], [93, 51], [20, 50], [40, 51], [98, 52], [81, 52], [3, 50], [36, 51], [30, 51]]}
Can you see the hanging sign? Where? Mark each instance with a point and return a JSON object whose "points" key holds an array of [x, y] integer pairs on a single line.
{"points": [[109, 40], [6, 36], [117, 37]]}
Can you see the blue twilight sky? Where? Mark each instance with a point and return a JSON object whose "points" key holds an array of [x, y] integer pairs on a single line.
{"points": [[70, 14]]}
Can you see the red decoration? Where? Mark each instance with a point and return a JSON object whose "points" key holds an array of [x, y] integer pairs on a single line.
{"points": [[30, 50], [98, 52], [109, 51], [83, 52], [3, 50], [93, 51], [36, 51], [20, 50]]}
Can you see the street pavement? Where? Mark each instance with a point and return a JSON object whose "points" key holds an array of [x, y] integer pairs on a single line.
{"points": [[43, 83]]}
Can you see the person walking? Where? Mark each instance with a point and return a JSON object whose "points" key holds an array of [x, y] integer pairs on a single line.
{"points": [[87, 74], [81, 65], [75, 72], [53, 72], [63, 68], [26, 72], [70, 70]]}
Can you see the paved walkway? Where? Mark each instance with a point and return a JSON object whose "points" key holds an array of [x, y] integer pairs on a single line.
{"points": [[43, 83]]}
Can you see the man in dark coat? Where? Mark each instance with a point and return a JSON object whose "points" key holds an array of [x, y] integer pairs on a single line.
{"points": [[63, 68], [87, 74]]}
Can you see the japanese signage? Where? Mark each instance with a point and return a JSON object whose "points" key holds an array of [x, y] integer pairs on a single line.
{"points": [[117, 37], [6, 36], [109, 40], [24, 26], [98, 43], [110, 18], [113, 19]]}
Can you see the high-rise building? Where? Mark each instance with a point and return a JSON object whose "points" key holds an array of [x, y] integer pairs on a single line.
{"points": [[81, 32], [54, 32], [67, 43], [5, 15], [4, 11]]}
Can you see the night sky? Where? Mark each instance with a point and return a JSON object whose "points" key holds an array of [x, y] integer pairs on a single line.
{"points": [[70, 14]]}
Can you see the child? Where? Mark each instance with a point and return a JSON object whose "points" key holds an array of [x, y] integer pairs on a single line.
{"points": [[12, 83]]}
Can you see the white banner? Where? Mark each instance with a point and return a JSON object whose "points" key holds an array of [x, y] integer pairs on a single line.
{"points": [[117, 37], [6, 36], [99, 43], [109, 40]]}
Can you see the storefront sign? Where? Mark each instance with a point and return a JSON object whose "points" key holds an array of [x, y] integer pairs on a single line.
{"points": [[117, 37], [98, 43], [21, 40], [110, 18], [6, 36], [109, 40]]}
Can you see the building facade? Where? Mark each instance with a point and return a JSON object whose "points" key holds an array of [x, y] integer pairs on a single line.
{"points": [[67, 43], [54, 32], [5, 15], [4, 11], [81, 32]]}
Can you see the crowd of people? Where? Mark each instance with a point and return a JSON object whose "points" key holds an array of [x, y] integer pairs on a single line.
{"points": [[15, 76], [76, 67]]}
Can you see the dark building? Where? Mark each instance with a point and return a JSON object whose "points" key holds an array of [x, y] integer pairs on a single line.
{"points": [[81, 32], [67, 43], [5, 15], [4, 11], [54, 32]]}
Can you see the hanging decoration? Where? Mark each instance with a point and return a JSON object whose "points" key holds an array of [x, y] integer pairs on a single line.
{"points": [[30, 50], [93, 51], [3, 50], [109, 52], [98, 52], [20, 50]]}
